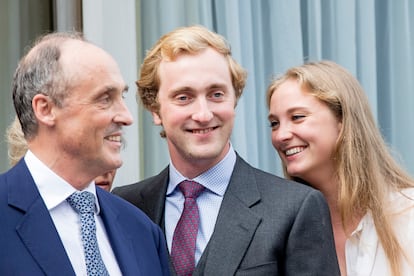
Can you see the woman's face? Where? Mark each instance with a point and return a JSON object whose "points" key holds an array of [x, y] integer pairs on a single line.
{"points": [[304, 132]]}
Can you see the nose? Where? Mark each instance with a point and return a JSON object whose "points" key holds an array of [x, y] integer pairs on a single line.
{"points": [[282, 134], [124, 116], [202, 111]]}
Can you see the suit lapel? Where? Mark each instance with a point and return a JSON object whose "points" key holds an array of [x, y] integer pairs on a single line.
{"points": [[235, 219], [120, 242], [36, 230], [152, 199]]}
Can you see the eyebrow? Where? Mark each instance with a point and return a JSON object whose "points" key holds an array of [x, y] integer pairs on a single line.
{"points": [[189, 88], [271, 116], [289, 111], [296, 108], [110, 88], [218, 86]]}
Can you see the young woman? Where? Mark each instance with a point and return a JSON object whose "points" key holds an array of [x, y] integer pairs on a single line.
{"points": [[326, 136]]}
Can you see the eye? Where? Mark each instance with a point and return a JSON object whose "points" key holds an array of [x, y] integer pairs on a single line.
{"points": [[182, 98], [297, 117], [274, 124], [105, 99], [218, 95]]}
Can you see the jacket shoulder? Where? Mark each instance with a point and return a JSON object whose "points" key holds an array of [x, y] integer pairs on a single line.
{"points": [[132, 192], [270, 184]]}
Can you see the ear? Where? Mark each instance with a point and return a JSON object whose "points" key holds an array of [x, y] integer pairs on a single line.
{"points": [[43, 109], [339, 126], [156, 118]]}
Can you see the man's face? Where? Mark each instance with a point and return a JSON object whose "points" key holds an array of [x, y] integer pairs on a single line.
{"points": [[197, 108], [89, 124]]}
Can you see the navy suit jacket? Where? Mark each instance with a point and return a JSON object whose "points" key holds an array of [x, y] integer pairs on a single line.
{"points": [[30, 243], [266, 225]]}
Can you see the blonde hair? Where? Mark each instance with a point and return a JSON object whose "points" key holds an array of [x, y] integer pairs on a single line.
{"points": [[17, 145], [365, 168], [184, 40]]}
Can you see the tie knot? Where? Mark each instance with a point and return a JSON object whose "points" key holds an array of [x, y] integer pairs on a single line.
{"points": [[83, 202], [191, 189]]}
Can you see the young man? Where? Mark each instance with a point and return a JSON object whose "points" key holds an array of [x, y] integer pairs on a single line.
{"points": [[241, 220], [68, 98]]}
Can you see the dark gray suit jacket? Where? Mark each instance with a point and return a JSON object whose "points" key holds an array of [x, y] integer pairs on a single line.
{"points": [[266, 225]]}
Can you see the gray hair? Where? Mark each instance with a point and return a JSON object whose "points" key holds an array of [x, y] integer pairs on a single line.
{"points": [[40, 72]]}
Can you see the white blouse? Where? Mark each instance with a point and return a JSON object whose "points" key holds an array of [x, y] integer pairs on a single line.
{"points": [[365, 255]]}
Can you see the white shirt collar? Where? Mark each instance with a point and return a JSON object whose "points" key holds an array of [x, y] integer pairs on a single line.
{"points": [[52, 188]]}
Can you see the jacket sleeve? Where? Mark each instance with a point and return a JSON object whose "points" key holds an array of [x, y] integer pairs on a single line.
{"points": [[310, 246]]}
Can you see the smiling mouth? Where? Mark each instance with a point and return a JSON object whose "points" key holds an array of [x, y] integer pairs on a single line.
{"points": [[114, 138], [203, 131], [294, 150]]}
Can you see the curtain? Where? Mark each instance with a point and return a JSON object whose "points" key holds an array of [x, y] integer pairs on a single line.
{"points": [[372, 39]]}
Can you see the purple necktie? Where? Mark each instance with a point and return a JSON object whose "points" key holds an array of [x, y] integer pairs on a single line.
{"points": [[185, 234]]}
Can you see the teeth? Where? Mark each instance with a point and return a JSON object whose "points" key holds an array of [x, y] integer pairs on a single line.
{"points": [[293, 151], [114, 138], [202, 131]]}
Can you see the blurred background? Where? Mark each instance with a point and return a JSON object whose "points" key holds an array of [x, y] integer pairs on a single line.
{"points": [[371, 38]]}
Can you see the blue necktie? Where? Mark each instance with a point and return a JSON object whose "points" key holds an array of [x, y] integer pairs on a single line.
{"points": [[84, 205]]}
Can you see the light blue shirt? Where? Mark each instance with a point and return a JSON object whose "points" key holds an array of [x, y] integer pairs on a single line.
{"points": [[215, 180]]}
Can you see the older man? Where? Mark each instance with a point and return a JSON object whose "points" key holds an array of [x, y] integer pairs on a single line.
{"points": [[68, 96]]}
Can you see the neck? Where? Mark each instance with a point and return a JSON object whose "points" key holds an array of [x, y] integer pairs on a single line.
{"points": [[193, 167], [79, 178]]}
